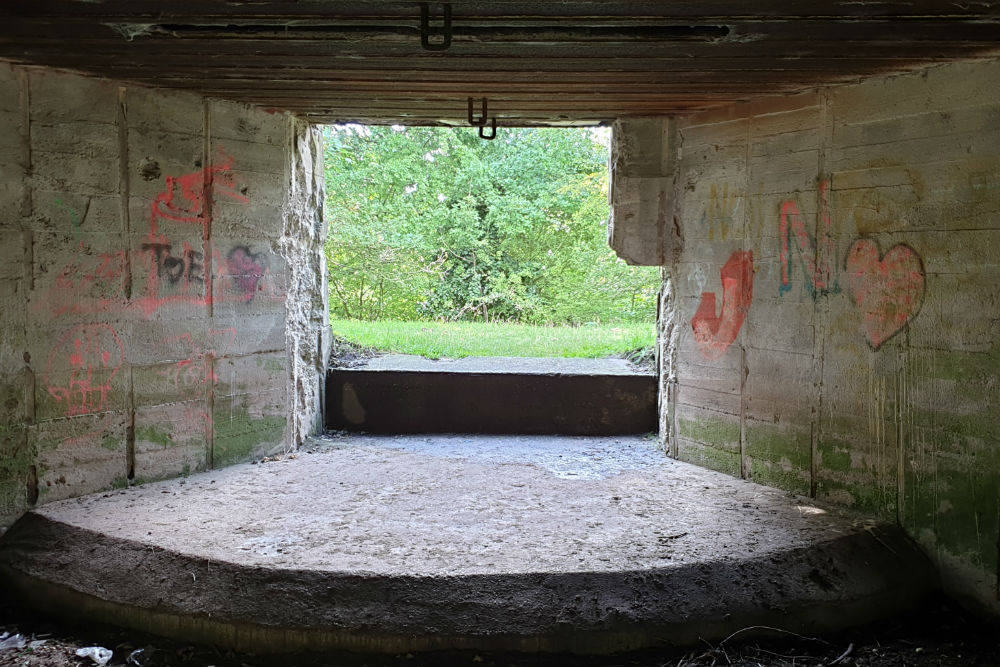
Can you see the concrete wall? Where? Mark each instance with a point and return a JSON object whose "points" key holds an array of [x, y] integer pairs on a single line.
{"points": [[835, 324], [145, 239]]}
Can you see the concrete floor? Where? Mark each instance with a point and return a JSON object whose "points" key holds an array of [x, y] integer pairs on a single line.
{"points": [[461, 542]]}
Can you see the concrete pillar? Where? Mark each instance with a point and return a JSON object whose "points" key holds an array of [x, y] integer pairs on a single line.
{"points": [[642, 229]]}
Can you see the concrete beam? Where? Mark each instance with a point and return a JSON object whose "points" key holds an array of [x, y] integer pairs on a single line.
{"points": [[643, 167]]}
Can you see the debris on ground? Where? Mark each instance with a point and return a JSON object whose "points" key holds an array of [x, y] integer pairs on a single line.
{"points": [[100, 655], [346, 354], [136, 658], [937, 635], [9, 642], [643, 358]]}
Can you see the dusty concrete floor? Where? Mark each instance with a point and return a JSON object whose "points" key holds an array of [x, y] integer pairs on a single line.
{"points": [[565, 458], [459, 542], [452, 505]]}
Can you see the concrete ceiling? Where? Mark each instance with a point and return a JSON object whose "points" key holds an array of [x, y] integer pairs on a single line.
{"points": [[536, 62]]}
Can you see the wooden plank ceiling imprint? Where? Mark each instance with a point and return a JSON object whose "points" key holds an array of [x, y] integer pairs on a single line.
{"points": [[565, 62]]}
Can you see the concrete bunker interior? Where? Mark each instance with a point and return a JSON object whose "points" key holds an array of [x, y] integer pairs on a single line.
{"points": [[827, 228]]}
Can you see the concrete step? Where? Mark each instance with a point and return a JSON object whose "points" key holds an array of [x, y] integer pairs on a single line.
{"points": [[410, 394], [480, 543]]}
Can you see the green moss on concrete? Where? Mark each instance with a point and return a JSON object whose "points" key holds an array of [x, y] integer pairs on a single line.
{"points": [[111, 443], [11, 399], [983, 425], [773, 474], [185, 471], [965, 367], [271, 364], [955, 499], [864, 495], [154, 435], [836, 459], [238, 437], [711, 431], [17, 456], [779, 456], [159, 385], [778, 443], [710, 457], [853, 470]]}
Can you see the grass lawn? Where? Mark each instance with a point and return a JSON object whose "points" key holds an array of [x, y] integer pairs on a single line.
{"points": [[475, 339]]}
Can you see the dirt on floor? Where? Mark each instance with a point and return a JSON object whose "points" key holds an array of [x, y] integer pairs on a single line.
{"points": [[346, 354], [938, 634]]}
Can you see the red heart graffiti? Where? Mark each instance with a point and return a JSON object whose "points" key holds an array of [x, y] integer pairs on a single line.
{"points": [[888, 290]]}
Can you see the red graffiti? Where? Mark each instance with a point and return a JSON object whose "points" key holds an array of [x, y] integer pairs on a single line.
{"points": [[888, 290], [714, 333], [196, 275], [815, 257], [198, 368], [189, 199], [100, 276], [245, 270], [94, 353], [189, 205]]}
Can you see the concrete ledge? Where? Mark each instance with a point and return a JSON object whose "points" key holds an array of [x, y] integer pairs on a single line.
{"points": [[279, 611], [401, 394], [592, 566]]}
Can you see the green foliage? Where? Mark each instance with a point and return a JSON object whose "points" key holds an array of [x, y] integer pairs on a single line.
{"points": [[435, 223], [478, 339]]}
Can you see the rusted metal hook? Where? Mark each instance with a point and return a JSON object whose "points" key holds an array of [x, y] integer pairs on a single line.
{"points": [[425, 29], [481, 121], [491, 137]]}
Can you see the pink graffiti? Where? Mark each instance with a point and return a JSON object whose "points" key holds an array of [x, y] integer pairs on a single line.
{"points": [[198, 368], [196, 275], [714, 333], [815, 257], [100, 276], [246, 270], [888, 290], [189, 199], [184, 199], [94, 353]]}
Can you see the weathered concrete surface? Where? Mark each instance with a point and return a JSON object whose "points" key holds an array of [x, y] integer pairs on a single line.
{"points": [[404, 394], [579, 457], [143, 284], [644, 154], [364, 547], [307, 326], [833, 316]]}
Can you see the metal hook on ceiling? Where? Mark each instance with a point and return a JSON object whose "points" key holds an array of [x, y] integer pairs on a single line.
{"points": [[491, 137], [425, 30], [481, 121]]}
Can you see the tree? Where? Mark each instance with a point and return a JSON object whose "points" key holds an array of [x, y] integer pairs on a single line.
{"points": [[437, 223]]}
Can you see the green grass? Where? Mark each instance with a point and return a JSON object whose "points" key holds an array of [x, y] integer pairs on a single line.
{"points": [[474, 339]]}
